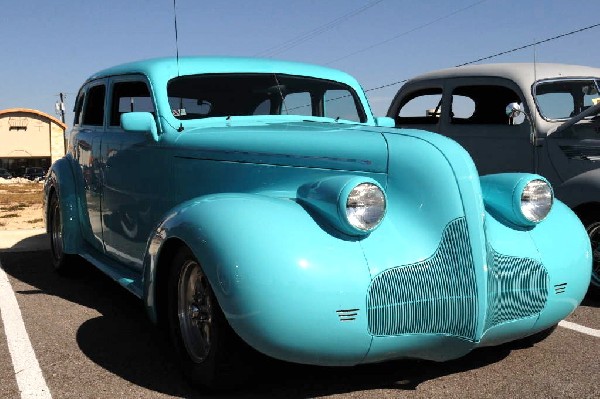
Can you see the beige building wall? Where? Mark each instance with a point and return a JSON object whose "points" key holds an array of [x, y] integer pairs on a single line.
{"points": [[26, 133]]}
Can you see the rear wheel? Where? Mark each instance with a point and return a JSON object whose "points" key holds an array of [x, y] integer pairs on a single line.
{"points": [[209, 352], [62, 262]]}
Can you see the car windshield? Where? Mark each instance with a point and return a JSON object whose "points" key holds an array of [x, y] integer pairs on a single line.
{"points": [[563, 99], [226, 95]]}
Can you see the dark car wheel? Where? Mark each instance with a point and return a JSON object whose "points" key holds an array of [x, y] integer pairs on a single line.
{"points": [[63, 263], [209, 352], [593, 229]]}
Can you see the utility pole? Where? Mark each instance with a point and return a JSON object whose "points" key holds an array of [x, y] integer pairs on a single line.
{"points": [[60, 107]]}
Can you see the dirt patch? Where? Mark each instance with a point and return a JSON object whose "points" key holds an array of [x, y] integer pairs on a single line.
{"points": [[21, 204]]}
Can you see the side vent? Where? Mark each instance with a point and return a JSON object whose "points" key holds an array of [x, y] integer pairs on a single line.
{"points": [[347, 314], [560, 288]]}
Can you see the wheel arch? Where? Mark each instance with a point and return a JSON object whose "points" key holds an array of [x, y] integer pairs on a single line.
{"points": [[61, 182]]}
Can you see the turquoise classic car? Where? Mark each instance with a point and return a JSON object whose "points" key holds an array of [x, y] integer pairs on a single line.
{"points": [[259, 204]]}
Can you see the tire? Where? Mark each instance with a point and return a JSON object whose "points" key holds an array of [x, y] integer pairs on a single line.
{"points": [[210, 354], [592, 226], [63, 263]]}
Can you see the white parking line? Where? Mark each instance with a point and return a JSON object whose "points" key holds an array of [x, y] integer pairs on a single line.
{"points": [[579, 328], [27, 369]]}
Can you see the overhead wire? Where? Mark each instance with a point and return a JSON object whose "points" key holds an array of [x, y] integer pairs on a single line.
{"points": [[501, 53], [419, 27], [314, 32]]}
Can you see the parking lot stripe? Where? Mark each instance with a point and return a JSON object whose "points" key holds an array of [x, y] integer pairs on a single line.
{"points": [[27, 369], [579, 328]]}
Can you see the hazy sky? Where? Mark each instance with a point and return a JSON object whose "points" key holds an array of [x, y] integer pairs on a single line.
{"points": [[48, 47]]}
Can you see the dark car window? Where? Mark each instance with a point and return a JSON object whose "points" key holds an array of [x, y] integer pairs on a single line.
{"points": [[205, 96], [421, 107], [129, 97], [93, 110], [482, 104]]}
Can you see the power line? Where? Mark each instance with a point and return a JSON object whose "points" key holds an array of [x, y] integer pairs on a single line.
{"points": [[500, 53], [408, 31], [530, 45], [314, 32]]}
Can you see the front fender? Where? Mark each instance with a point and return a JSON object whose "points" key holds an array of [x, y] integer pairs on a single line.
{"points": [[581, 189], [61, 180], [280, 278]]}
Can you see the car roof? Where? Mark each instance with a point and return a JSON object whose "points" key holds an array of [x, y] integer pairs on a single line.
{"points": [[169, 67], [522, 73]]}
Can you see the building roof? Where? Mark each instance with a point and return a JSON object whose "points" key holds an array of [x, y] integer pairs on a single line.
{"points": [[34, 112]]}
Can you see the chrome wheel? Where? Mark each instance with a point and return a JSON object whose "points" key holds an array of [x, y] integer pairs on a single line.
{"points": [[593, 231], [195, 311]]}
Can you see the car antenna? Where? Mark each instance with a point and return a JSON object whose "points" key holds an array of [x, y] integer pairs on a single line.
{"points": [[180, 128]]}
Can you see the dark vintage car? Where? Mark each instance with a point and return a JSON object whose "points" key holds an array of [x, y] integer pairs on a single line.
{"points": [[520, 117], [259, 203]]}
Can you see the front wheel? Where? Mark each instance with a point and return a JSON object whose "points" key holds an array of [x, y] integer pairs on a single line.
{"points": [[593, 230], [209, 352]]}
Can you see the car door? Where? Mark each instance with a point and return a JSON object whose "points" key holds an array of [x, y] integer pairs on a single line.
{"points": [[477, 119], [132, 188], [86, 140]]}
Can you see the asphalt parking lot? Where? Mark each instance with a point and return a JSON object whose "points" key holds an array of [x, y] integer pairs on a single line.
{"points": [[92, 339]]}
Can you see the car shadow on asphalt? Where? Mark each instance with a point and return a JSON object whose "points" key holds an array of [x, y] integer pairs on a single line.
{"points": [[123, 341]]}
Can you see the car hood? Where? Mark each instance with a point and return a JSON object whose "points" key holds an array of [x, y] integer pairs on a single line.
{"points": [[338, 146]]}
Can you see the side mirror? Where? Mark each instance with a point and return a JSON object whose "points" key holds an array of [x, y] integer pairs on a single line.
{"points": [[385, 121], [140, 122], [513, 110]]}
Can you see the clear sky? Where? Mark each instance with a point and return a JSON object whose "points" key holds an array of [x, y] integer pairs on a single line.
{"points": [[48, 47]]}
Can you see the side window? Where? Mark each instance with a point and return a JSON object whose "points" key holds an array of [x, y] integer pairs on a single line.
{"points": [[78, 108], [483, 105], [422, 107], [93, 110], [129, 97]]}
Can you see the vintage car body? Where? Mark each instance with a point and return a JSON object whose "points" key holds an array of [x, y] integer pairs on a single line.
{"points": [[229, 219], [557, 135]]}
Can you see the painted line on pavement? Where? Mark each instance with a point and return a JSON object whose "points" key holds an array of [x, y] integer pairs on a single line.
{"points": [[579, 328], [27, 369]]}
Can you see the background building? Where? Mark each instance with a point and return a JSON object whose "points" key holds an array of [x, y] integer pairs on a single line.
{"points": [[29, 138]]}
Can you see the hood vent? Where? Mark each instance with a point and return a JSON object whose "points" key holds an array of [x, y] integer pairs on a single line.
{"points": [[347, 314]]}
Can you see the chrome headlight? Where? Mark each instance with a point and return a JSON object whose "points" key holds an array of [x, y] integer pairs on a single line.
{"points": [[365, 206], [536, 200]]}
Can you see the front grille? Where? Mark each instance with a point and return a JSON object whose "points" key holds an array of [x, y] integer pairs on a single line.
{"points": [[517, 288], [439, 294], [435, 296]]}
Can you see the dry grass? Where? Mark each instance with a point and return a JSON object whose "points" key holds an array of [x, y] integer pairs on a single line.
{"points": [[21, 205]]}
